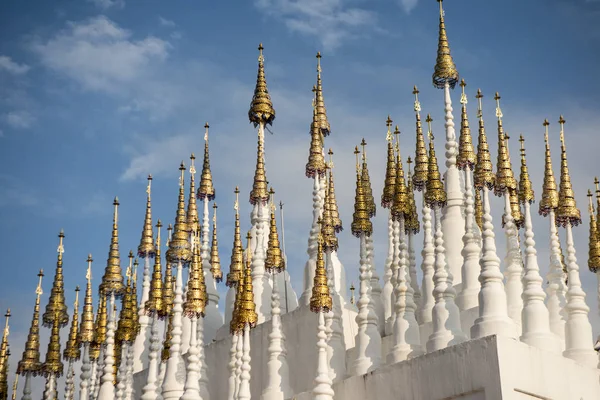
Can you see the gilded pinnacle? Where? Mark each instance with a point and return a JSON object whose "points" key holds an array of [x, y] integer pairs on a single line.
{"points": [[445, 72], [168, 291], [597, 183], [56, 304], [483, 175], [411, 224], [366, 181], [421, 160], [401, 204], [478, 209], [206, 189], [594, 243], [389, 187], [435, 195], [526, 193], [30, 362], [134, 299], [166, 350], [179, 246], [86, 329], [126, 327], [260, 193], [322, 121], [466, 155], [247, 308], [567, 211], [261, 108], [215, 260], [549, 199], [146, 248], [72, 350], [335, 213], [192, 209], [321, 301], [53, 364], [361, 222], [316, 160], [112, 281], [327, 227], [236, 266], [505, 179], [195, 301], [100, 326], [274, 262], [154, 304]]}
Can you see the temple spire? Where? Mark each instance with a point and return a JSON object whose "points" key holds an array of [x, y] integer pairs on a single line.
{"points": [[236, 266], [483, 175], [146, 248], [387, 197], [549, 201], [445, 71], [206, 188], [112, 281], [56, 304], [215, 260], [361, 223], [366, 181], [274, 261], [435, 195], [261, 107], [421, 160], [72, 349], [322, 121], [526, 193], [567, 212], [316, 160], [4, 355], [594, 244], [335, 213], [30, 362], [466, 156], [154, 304], [179, 246], [400, 204], [192, 209], [505, 179]]}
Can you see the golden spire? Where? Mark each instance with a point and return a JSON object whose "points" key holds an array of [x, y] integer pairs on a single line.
{"points": [[215, 260], [126, 328], [56, 304], [361, 223], [466, 155], [366, 181], [101, 322], [597, 183], [478, 209], [206, 188], [14, 388], [134, 298], [526, 193], [567, 212], [4, 356], [549, 199], [236, 267], [401, 203], [234, 326], [274, 261], [247, 311], [483, 175], [435, 195], [594, 243], [445, 71], [195, 300], [179, 247], [322, 122], [30, 362], [316, 160], [72, 350], [146, 247], [168, 292], [320, 301], [154, 304], [505, 179], [261, 107], [389, 187], [421, 160], [515, 208], [412, 223], [192, 210], [335, 213], [53, 364], [166, 350], [327, 227], [112, 281], [260, 193]]}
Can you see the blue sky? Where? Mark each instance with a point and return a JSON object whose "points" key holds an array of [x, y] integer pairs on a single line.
{"points": [[94, 95]]}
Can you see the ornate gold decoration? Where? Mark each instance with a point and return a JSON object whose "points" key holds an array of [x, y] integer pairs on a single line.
{"points": [[526, 193], [505, 179], [594, 243], [179, 246], [335, 213], [361, 222], [146, 248], [100, 326], [73, 348], [478, 209], [206, 189], [166, 350], [401, 205], [247, 308], [389, 187], [94, 351], [515, 208], [274, 262], [196, 297], [260, 193], [236, 267], [316, 161], [53, 364], [56, 304], [112, 281], [4, 356], [126, 328], [117, 354], [549, 199], [327, 227], [261, 107], [154, 304], [321, 301], [483, 175], [466, 154], [234, 326], [323, 122], [435, 195], [134, 299], [567, 211], [192, 210], [14, 388], [597, 183], [366, 181], [168, 292], [445, 69], [215, 260], [421, 160], [412, 222], [30, 362]]}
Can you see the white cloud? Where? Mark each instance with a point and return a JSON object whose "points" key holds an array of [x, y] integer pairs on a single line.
{"points": [[106, 4], [408, 5], [99, 54], [19, 119], [166, 22], [331, 21], [176, 35], [7, 64]]}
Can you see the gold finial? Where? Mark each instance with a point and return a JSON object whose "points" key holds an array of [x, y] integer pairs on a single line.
{"points": [[401, 204], [466, 154], [247, 308], [322, 121], [236, 267], [316, 161], [196, 297], [53, 364], [179, 246], [261, 107], [154, 304], [505, 179], [567, 211], [192, 209], [335, 213], [72, 349], [134, 298], [146, 248], [445, 72], [435, 195], [100, 326], [361, 222], [86, 329], [389, 187], [515, 208], [549, 199], [597, 184], [366, 181], [421, 160], [478, 209], [30, 362], [168, 291], [14, 388], [594, 243], [4, 356], [526, 193], [411, 224], [206, 189], [483, 175], [321, 301], [56, 304], [274, 262], [215, 260], [166, 350], [126, 327], [327, 227], [259, 193], [112, 281]]}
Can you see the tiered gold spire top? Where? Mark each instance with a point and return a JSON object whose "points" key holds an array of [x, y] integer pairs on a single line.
{"points": [[330, 240], [401, 205], [215, 260], [72, 349], [274, 262], [195, 300], [126, 328], [134, 299], [594, 244], [206, 189], [53, 364], [261, 107], [323, 122], [247, 311], [168, 291], [515, 206], [260, 192], [234, 326], [56, 307], [412, 223], [146, 248], [505, 179], [179, 246], [236, 267], [421, 160], [335, 213], [366, 181], [484, 173], [478, 209], [166, 350], [597, 183], [549, 201], [192, 210], [100, 326], [466, 155], [112, 281], [389, 187], [445, 70], [154, 304], [321, 301], [4, 353], [435, 195], [567, 212], [526, 193], [316, 161], [361, 222], [30, 362]]}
